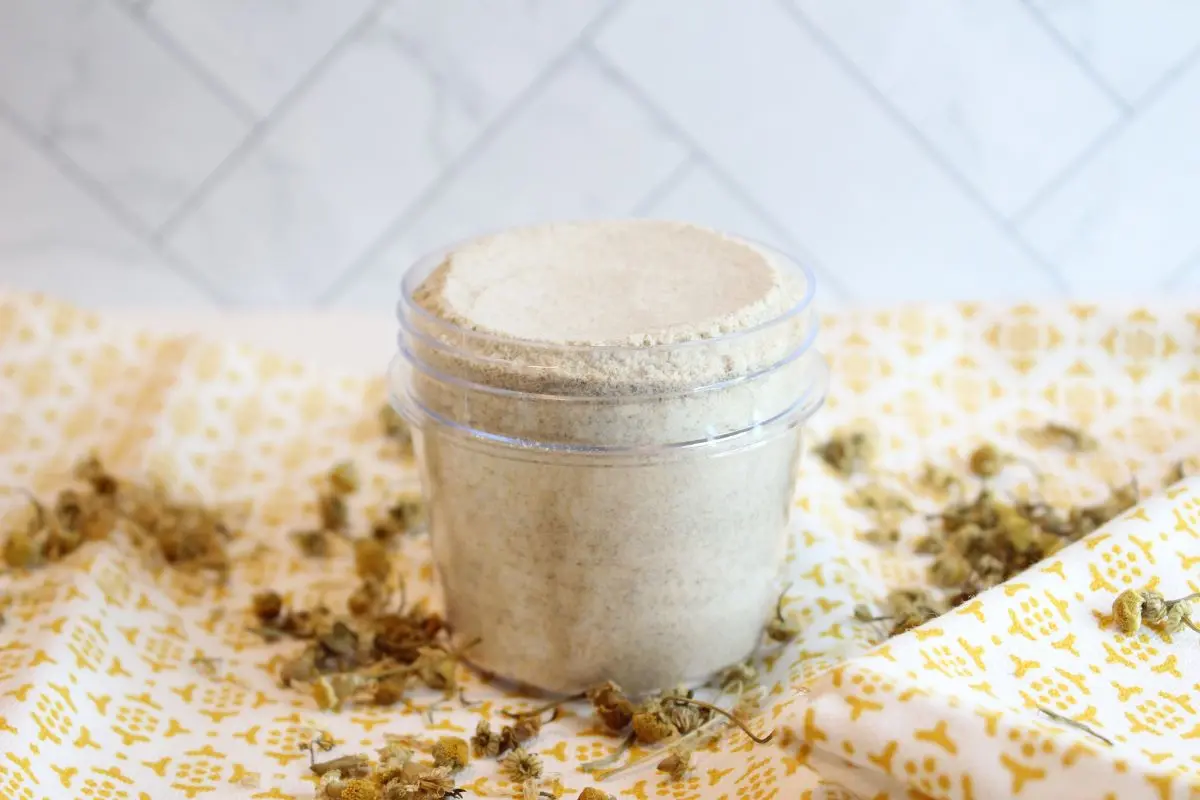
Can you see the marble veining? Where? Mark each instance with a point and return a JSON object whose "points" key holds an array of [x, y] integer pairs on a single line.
{"points": [[299, 153]]}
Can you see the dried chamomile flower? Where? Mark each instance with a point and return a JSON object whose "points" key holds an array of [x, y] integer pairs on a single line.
{"points": [[485, 743], [313, 543], [267, 605], [884, 504], [986, 461], [1180, 470], [881, 537], [1132, 607], [405, 515], [524, 729], [949, 569], [1064, 437], [521, 765], [371, 598], [677, 764], [420, 783], [938, 481], [909, 608], [848, 452], [360, 789], [390, 690], [186, 536], [330, 692], [437, 668], [651, 727], [592, 793], [611, 705], [782, 628], [333, 510], [738, 677], [343, 478], [451, 752], [372, 561], [395, 428], [1086, 519]]}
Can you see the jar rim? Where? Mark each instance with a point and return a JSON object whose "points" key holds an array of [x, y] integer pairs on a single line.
{"points": [[807, 402], [407, 310]]}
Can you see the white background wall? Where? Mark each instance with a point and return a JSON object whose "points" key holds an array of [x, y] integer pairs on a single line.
{"points": [[300, 153]]}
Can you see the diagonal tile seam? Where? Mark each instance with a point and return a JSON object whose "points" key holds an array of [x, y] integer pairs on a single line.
{"points": [[1085, 66], [1003, 224], [1181, 272], [664, 187], [704, 158], [108, 204], [410, 213], [189, 62], [1106, 137], [259, 131]]}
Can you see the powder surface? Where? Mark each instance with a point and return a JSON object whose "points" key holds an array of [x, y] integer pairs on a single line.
{"points": [[633, 282]]}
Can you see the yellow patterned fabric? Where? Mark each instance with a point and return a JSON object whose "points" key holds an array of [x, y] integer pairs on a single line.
{"points": [[954, 709], [118, 680]]}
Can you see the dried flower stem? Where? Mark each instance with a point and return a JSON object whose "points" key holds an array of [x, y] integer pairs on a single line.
{"points": [[344, 764], [554, 706], [708, 729], [1059, 718], [611, 758], [690, 701]]}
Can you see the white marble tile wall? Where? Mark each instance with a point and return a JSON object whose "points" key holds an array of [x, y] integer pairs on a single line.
{"points": [[300, 153]]}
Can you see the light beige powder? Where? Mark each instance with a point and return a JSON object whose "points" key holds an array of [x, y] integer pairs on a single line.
{"points": [[647, 567], [635, 282]]}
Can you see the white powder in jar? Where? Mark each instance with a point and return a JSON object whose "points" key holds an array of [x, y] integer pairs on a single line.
{"points": [[572, 539]]}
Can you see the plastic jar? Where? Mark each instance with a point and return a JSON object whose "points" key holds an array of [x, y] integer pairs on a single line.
{"points": [[608, 512]]}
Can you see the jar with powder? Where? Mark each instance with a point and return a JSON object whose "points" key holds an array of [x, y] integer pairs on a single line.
{"points": [[607, 418]]}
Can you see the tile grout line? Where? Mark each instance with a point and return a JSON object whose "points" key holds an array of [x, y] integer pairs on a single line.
{"points": [[189, 62], [1002, 223], [439, 184], [265, 125], [101, 196], [705, 159], [1148, 99], [664, 187], [1077, 57], [1177, 275]]}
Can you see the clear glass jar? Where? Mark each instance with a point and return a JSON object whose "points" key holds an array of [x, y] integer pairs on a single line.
{"points": [[608, 512]]}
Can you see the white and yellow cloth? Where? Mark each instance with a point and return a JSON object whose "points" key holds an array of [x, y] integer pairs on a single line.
{"points": [[102, 695]]}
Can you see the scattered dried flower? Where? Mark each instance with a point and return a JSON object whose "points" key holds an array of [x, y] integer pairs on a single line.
{"points": [[986, 461], [1064, 437], [395, 428], [848, 452], [485, 743], [737, 678], [782, 628], [313, 543], [186, 536], [1134, 607], [611, 705], [521, 765], [267, 606], [939, 482], [451, 752], [343, 478], [371, 561], [677, 764], [592, 793]]}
